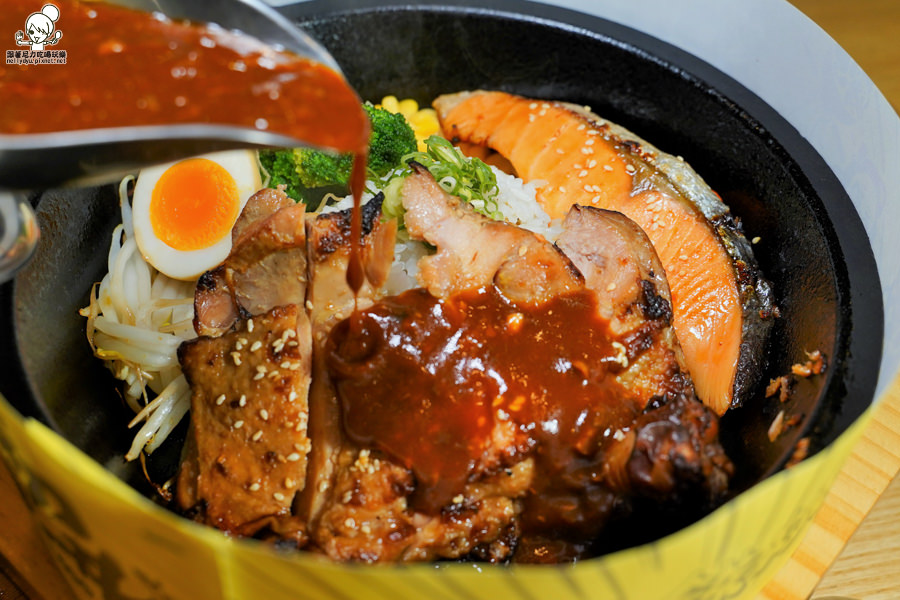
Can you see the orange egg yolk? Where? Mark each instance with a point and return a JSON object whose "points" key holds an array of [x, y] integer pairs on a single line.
{"points": [[194, 204]]}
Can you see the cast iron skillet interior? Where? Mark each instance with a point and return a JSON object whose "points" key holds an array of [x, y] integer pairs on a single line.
{"points": [[812, 244]]}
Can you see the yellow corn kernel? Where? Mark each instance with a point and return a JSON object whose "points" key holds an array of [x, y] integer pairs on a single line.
{"points": [[424, 123], [407, 107], [390, 103]]}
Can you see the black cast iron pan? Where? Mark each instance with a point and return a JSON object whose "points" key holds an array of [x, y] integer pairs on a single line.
{"points": [[813, 246]]}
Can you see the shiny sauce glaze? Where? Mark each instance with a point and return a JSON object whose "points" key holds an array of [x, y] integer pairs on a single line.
{"points": [[430, 382]]}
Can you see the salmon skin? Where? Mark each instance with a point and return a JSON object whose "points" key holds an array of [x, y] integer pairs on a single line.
{"points": [[723, 306]]}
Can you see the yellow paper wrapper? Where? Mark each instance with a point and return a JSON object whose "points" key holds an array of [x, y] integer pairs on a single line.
{"points": [[112, 542]]}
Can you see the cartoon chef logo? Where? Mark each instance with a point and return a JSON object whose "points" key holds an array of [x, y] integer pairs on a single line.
{"points": [[40, 29]]}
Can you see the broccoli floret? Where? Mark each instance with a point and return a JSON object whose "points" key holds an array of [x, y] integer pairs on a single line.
{"points": [[309, 174], [392, 138], [317, 169], [279, 165]]}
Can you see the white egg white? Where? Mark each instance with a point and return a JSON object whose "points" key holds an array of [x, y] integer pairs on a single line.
{"points": [[190, 264]]}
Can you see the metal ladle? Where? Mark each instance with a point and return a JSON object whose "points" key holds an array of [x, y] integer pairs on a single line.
{"points": [[95, 156]]}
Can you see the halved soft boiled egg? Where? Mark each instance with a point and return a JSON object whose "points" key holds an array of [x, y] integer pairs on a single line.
{"points": [[183, 212]]}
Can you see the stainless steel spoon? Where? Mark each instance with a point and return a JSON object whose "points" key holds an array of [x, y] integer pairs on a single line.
{"points": [[94, 156]]}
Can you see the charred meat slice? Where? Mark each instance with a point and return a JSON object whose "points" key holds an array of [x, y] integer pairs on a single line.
{"points": [[474, 251], [247, 447], [330, 300], [622, 269], [266, 267], [371, 521]]}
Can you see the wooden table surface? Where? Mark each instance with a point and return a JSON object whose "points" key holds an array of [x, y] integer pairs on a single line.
{"points": [[866, 568]]}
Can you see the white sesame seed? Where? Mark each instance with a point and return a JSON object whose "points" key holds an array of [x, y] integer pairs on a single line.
{"points": [[250, 325], [237, 358], [309, 305], [581, 127], [285, 365], [531, 118], [323, 486], [755, 240], [292, 396], [264, 414], [220, 400], [560, 151], [533, 105], [293, 457], [254, 487], [458, 499], [583, 173], [259, 376], [349, 522], [238, 424], [278, 496], [592, 164], [607, 168], [289, 483], [365, 529], [256, 436], [238, 345], [243, 401], [273, 373], [294, 366], [611, 286], [255, 346]]}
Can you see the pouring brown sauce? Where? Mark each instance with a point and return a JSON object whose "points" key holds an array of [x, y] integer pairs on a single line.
{"points": [[129, 68]]}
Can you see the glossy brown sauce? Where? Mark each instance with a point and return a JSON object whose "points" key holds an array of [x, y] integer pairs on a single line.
{"points": [[128, 68], [432, 384]]}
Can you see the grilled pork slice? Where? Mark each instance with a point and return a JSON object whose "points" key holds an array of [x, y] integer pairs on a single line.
{"points": [[371, 520], [266, 267], [473, 251], [247, 448], [623, 271], [330, 300]]}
